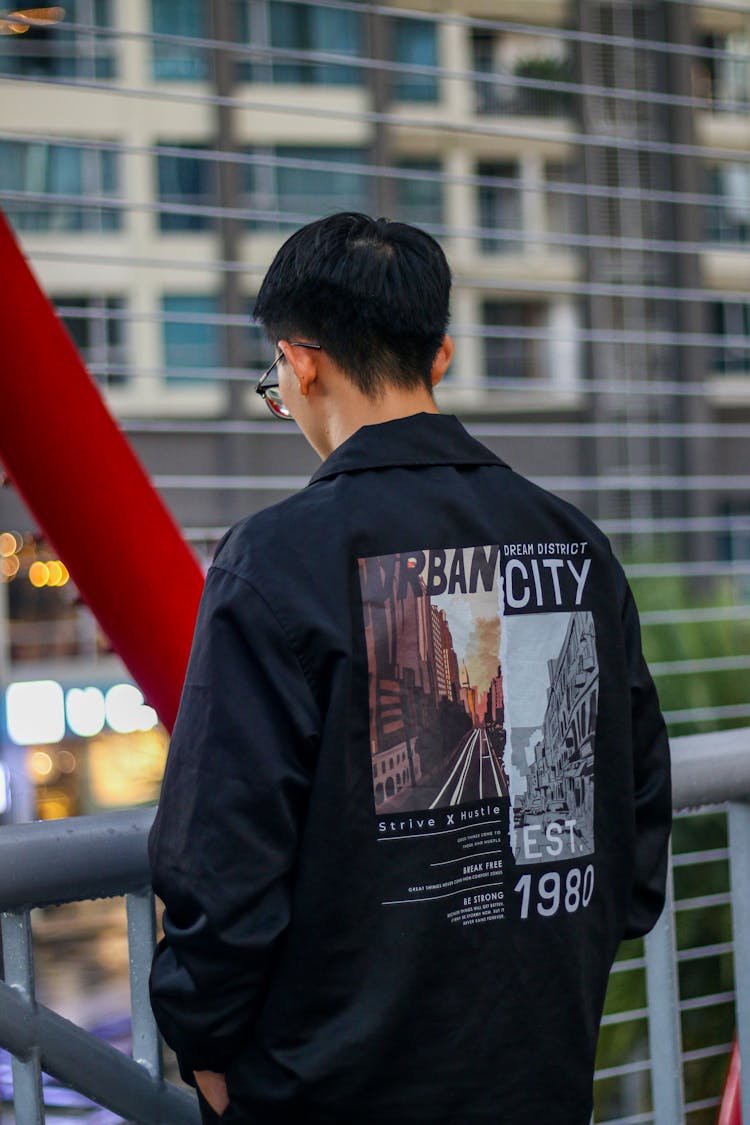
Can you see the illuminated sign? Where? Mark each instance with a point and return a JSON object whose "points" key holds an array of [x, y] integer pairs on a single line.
{"points": [[5, 797], [39, 712], [35, 712], [85, 711]]}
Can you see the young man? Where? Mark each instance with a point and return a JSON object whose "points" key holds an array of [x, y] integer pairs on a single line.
{"points": [[418, 790]]}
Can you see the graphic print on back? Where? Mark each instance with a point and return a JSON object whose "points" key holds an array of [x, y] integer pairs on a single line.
{"points": [[552, 684], [482, 703]]}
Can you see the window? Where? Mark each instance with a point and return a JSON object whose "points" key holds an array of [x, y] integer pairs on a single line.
{"points": [[51, 170], [419, 200], [564, 208], [486, 93], [415, 44], [509, 355], [297, 28], [724, 81], [304, 193], [732, 319], [97, 327], [734, 544], [728, 220], [532, 59], [180, 61], [57, 52], [192, 337], [500, 208], [188, 181]]}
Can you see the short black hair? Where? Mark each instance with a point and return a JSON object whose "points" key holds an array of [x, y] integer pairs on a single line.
{"points": [[373, 293]]}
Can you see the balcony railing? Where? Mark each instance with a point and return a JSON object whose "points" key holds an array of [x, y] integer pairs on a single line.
{"points": [[504, 97], [653, 992]]}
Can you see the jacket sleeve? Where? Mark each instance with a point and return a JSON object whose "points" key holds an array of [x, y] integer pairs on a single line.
{"points": [[223, 845], [652, 787]]}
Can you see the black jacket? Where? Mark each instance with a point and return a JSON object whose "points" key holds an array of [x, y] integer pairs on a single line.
{"points": [[417, 793]]}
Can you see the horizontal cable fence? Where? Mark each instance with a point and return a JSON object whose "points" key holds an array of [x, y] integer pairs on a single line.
{"points": [[467, 128], [269, 159], [404, 13]]}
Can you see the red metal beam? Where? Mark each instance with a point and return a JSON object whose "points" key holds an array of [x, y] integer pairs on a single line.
{"points": [[730, 1111], [79, 477]]}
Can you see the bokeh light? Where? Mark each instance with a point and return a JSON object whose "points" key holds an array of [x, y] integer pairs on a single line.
{"points": [[40, 764], [84, 708], [9, 544], [19, 22], [9, 567], [126, 711], [35, 712], [38, 574], [55, 573]]}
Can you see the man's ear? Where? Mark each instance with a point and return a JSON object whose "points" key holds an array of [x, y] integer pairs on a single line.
{"points": [[442, 360], [303, 363]]}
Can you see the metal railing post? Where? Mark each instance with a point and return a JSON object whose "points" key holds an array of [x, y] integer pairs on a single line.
{"points": [[664, 1032], [739, 871], [19, 974], [141, 942]]}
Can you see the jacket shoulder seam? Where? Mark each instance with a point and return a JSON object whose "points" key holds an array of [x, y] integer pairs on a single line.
{"points": [[274, 616]]}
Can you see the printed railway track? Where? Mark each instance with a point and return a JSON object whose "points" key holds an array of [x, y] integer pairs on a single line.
{"points": [[476, 773]]}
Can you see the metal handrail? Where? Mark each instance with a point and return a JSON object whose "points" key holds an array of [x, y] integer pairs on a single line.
{"points": [[105, 855], [710, 768], [92, 1067], [102, 856], [49, 863], [54, 862]]}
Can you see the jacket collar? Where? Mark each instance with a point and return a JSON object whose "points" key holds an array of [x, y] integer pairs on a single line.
{"points": [[419, 439]]}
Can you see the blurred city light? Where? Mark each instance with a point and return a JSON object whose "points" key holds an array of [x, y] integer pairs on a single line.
{"points": [[50, 573], [9, 567], [40, 764], [38, 574], [35, 712], [66, 761], [16, 23], [9, 544], [126, 711], [85, 711], [5, 796]]}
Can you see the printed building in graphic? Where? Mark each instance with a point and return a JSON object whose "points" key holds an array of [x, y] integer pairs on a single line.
{"points": [[495, 707], [563, 766], [398, 632], [446, 661], [422, 702], [468, 696], [412, 665]]}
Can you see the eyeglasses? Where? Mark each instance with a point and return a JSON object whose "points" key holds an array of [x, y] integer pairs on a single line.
{"points": [[269, 392]]}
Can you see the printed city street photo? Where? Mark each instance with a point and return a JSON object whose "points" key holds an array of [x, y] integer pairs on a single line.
{"points": [[472, 702], [552, 683], [433, 635]]}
